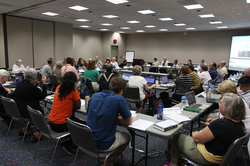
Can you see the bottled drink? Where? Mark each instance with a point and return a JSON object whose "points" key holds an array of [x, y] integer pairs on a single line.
{"points": [[86, 102], [114, 66], [212, 89], [160, 111], [208, 93], [183, 99]]}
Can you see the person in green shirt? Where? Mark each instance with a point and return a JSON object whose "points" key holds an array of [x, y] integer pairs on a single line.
{"points": [[92, 74], [98, 61]]}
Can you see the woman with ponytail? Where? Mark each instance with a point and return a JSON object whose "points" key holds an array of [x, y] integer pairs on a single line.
{"points": [[66, 99]]}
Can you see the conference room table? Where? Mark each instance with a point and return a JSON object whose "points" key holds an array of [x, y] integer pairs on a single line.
{"points": [[168, 68], [144, 73]]}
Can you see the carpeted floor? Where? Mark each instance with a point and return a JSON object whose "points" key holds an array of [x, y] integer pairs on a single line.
{"points": [[11, 155]]}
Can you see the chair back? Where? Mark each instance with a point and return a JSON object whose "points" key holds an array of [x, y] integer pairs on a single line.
{"points": [[82, 136], [10, 107], [39, 121], [153, 69], [39, 77], [226, 76], [53, 80], [233, 150], [131, 93], [198, 89]]}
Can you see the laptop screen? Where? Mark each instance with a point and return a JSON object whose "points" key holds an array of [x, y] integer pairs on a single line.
{"points": [[190, 97], [150, 79], [164, 79], [126, 76]]}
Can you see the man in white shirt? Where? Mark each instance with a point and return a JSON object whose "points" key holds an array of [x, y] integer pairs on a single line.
{"points": [[114, 63], [223, 68], [165, 62], [204, 76]]}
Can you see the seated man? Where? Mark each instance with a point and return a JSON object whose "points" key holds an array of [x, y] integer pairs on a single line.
{"points": [[105, 110], [202, 63], [194, 76], [223, 68], [245, 73], [4, 92], [46, 70], [165, 62], [213, 72], [106, 78], [114, 63], [124, 63], [98, 61], [68, 68]]}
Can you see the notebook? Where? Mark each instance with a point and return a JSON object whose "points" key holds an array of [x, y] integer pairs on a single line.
{"points": [[191, 100]]}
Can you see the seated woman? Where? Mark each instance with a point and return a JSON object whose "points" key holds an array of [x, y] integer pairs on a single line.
{"points": [[176, 64], [140, 82], [107, 62], [92, 74], [28, 94], [66, 99], [82, 63], [57, 71], [182, 84], [18, 66], [209, 145]]}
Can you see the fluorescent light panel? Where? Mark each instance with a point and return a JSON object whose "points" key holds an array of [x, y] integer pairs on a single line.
{"points": [[190, 28], [117, 1], [50, 14], [215, 22], [163, 29], [125, 28], [248, 1], [119, 32], [85, 26], [196, 6], [206, 15], [146, 11], [106, 24], [110, 16], [222, 27], [150, 26], [180, 24], [133, 22], [82, 20], [103, 29], [78, 8], [140, 31], [166, 19]]}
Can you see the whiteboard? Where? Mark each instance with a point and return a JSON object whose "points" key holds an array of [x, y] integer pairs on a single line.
{"points": [[130, 55]]}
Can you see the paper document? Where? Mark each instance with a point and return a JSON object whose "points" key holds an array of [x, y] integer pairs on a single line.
{"points": [[172, 110], [51, 97], [166, 123], [134, 114], [141, 124], [82, 102], [177, 118], [81, 70], [203, 94]]}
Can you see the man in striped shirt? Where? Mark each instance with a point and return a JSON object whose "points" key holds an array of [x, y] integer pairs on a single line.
{"points": [[194, 76]]}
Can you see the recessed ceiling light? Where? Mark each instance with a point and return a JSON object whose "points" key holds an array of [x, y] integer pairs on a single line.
{"points": [[146, 11], [117, 1], [119, 32], [50, 14], [166, 19], [222, 27], [78, 8], [163, 29], [82, 20], [150, 26], [180, 24], [190, 28], [103, 29], [215, 22], [85, 26], [248, 1], [125, 28], [133, 22], [106, 24], [140, 31], [110, 16], [206, 15], [196, 6]]}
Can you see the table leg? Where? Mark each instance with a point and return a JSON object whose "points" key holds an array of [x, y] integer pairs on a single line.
{"points": [[146, 153], [191, 128], [133, 147]]}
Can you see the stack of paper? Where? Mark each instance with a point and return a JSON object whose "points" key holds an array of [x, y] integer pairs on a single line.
{"points": [[172, 110], [165, 125], [176, 117], [141, 124]]}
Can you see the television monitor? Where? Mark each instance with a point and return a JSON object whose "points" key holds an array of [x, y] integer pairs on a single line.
{"points": [[126, 76], [150, 79]]}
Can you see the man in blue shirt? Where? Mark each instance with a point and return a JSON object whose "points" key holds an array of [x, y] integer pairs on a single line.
{"points": [[105, 110], [213, 72]]}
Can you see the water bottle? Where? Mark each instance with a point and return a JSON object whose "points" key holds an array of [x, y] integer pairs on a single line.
{"points": [[209, 92], [114, 67], [160, 111], [183, 99], [212, 88], [17, 81]]}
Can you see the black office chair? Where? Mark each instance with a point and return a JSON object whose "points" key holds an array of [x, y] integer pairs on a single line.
{"points": [[12, 110], [153, 69], [82, 136], [175, 73], [226, 76], [45, 130], [132, 95], [198, 89], [53, 82], [230, 155], [39, 77]]}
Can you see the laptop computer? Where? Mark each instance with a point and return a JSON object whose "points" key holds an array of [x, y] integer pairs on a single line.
{"points": [[150, 79], [191, 100], [164, 79], [126, 76]]}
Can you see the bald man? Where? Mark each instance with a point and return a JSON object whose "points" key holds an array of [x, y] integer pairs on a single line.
{"points": [[246, 72], [223, 68], [165, 62]]}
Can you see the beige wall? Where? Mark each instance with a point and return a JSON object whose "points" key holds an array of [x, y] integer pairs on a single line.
{"points": [[2, 53], [87, 44], [43, 42], [19, 34], [63, 41], [210, 46]]}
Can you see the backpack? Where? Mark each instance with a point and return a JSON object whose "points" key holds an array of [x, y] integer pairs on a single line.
{"points": [[85, 88], [153, 104]]}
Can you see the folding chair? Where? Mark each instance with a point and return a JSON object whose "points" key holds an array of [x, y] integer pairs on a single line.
{"points": [[132, 95]]}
